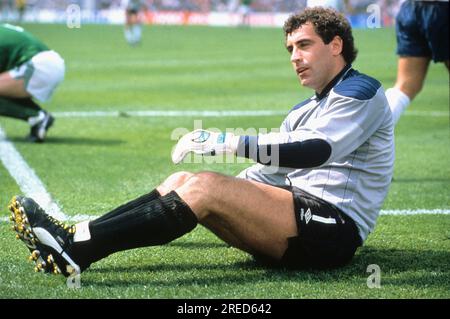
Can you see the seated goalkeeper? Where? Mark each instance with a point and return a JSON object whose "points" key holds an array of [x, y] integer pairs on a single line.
{"points": [[310, 201]]}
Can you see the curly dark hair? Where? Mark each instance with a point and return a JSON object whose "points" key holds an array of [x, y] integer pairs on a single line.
{"points": [[327, 23]]}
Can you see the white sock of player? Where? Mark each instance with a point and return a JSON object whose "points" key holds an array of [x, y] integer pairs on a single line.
{"points": [[398, 101], [128, 35], [36, 119], [137, 33], [82, 232]]}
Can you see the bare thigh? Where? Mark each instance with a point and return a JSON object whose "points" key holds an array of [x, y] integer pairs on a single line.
{"points": [[13, 88]]}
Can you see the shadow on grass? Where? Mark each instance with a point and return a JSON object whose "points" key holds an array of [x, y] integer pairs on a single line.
{"points": [[417, 268], [72, 141]]}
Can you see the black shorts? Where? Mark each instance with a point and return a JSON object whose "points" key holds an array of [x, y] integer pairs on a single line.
{"points": [[327, 238], [422, 30]]}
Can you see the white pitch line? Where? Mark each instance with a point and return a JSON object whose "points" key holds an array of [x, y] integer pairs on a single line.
{"points": [[162, 113], [26, 178], [399, 212], [206, 113], [426, 113]]}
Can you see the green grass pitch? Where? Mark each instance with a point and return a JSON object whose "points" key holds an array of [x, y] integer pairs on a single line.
{"points": [[91, 165]]}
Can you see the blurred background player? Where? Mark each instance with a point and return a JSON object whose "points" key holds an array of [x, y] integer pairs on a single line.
{"points": [[21, 6], [28, 70], [133, 24], [6, 7], [422, 35], [245, 10]]}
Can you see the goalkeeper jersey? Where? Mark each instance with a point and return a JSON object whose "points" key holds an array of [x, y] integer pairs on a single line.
{"points": [[353, 119], [17, 46]]}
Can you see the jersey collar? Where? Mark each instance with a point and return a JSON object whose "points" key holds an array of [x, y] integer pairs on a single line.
{"points": [[333, 82]]}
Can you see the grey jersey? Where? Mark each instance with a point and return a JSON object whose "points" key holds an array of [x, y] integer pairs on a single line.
{"points": [[353, 116]]}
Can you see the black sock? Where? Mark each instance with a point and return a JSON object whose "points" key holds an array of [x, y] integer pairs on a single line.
{"points": [[154, 194], [19, 108], [155, 222]]}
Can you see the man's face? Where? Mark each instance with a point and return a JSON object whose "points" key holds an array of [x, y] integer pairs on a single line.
{"points": [[313, 61]]}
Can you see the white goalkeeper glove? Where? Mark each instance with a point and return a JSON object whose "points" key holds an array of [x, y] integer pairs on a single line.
{"points": [[205, 143]]}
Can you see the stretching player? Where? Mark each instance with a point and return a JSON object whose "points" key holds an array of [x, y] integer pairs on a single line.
{"points": [[29, 71], [310, 201]]}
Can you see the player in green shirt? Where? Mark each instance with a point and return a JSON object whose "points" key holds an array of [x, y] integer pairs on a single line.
{"points": [[29, 71]]}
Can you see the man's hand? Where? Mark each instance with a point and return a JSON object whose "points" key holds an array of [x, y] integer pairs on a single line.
{"points": [[205, 143]]}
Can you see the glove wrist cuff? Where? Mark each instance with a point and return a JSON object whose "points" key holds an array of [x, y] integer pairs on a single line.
{"points": [[232, 142]]}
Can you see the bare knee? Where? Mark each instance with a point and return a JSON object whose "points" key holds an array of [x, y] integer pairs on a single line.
{"points": [[202, 192], [411, 87], [208, 177], [173, 182], [204, 183]]}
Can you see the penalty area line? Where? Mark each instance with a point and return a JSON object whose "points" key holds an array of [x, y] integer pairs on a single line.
{"points": [[25, 177]]}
